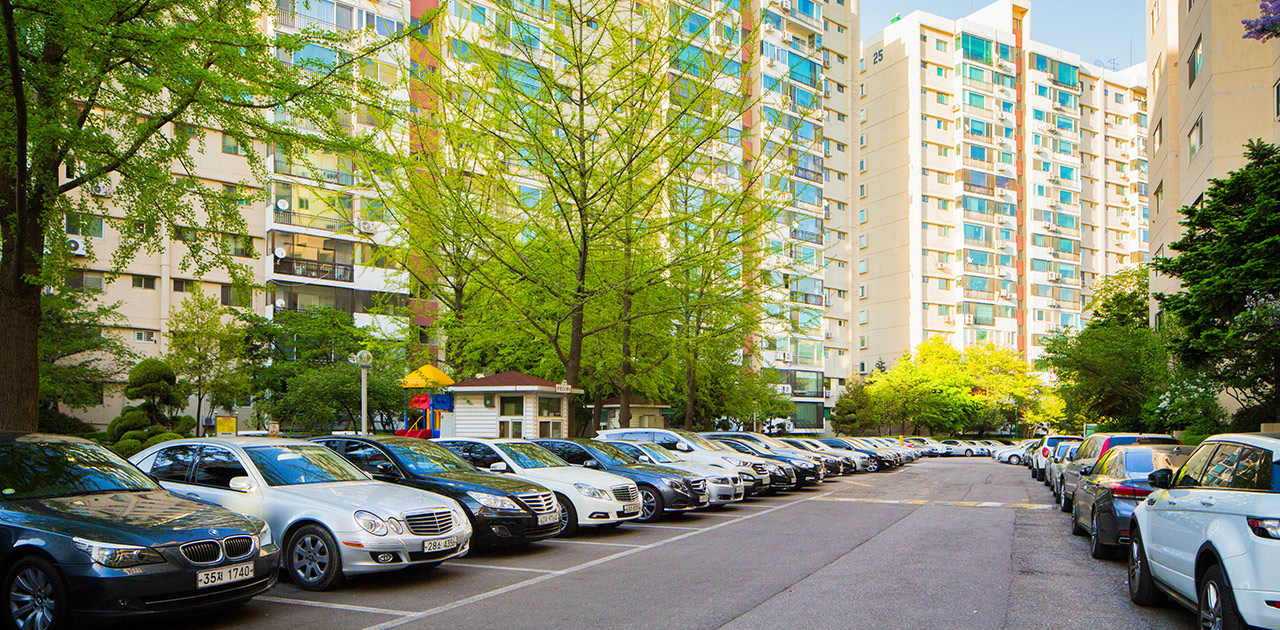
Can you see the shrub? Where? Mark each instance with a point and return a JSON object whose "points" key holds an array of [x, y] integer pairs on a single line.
{"points": [[155, 430], [130, 419], [184, 425], [163, 437], [138, 435], [127, 448], [54, 421], [96, 436]]}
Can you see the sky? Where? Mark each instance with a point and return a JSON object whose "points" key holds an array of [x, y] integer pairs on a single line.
{"points": [[1094, 29]]}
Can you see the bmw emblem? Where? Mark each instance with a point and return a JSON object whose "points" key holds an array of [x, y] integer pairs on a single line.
{"points": [[213, 532]]}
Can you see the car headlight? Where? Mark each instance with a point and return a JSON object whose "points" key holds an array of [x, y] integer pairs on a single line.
{"points": [[396, 527], [774, 469], [370, 523], [723, 481], [593, 492], [737, 462], [805, 465], [674, 484], [494, 502], [263, 531], [117, 556]]}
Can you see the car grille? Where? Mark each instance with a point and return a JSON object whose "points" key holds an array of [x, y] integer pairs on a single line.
{"points": [[203, 552], [430, 523], [760, 469], [539, 502], [625, 494], [699, 485], [237, 547], [791, 474]]}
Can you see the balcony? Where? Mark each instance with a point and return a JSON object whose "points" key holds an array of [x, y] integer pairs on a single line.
{"points": [[316, 269], [977, 137], [976, 268], [331, 175], [979, 294], [806, 235], [809, 174], [973, 242], [976, 163], [316, 221], [807, 298], [980, 216], [990, 191], [981, 85]]}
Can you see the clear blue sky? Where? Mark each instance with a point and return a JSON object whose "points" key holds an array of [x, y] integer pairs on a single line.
{"points": [[1094, 29]]}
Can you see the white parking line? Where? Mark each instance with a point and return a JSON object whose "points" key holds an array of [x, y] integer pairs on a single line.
{"points": [[542, 578], [347, 607], [716, 514], [497, 567], [647, 526], [586, 542]]}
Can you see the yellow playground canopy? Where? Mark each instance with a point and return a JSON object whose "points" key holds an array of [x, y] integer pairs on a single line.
{"points": [[426, 376]]}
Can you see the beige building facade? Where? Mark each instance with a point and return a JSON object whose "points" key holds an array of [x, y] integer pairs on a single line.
{"points": [[1000, 178]]}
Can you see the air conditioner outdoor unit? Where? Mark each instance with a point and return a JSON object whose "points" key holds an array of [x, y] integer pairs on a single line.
{"points": [[1048, 227], [783, 388], [1055, 180], [830, 335], [941, 265], [785, 357], [100, 189], [1055, 277], [826, 393], [826, 63], [786, 5], [968, 320], [821, 115], [1054, 253], [769, 62], [1006, 295], [1054, 305], [366, 226], [77, 246]]}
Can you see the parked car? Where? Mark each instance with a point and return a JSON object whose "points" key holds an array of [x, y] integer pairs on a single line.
{"points": [[909, 455], [876, 460], [798, 471], [503, 509], [1061, 457], [1015, 454], [586, 497], [1093, 448], [959, 448], [754, 471], [860, 461], [845, 464], [1044, 450], [766, 446], [1209, 535], [895, 458], [89, 538], [723, 486], [1106, 498], [334, 520], [662, 490], [931, 446]]}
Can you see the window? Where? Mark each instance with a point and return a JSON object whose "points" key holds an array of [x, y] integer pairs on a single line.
{"points": [[510, 428], [144, 282], [549, 406], [232, 296], [1157, 135], [183, 286], [144, 336], [862, 190], [217, 467], [173, 464], [1191, 471], [941, 45], [366, 457], [1222, 467], [84, 225], [511, 406], [230, 145], [1194, 139], [1195, 62], [84, 279], [238, 245], [862, 266]]}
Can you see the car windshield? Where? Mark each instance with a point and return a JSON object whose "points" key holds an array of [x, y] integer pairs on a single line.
{"points": [[697, 439], [1141, 461], [658, 454], [775, 443], [529, 455], [291, 465], [30, 469], [612, 455], [720, 446], [1064, 448], [427, 458]]}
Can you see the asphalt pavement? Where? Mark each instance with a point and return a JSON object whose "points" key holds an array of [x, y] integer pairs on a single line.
{"points": [[942, 543]]}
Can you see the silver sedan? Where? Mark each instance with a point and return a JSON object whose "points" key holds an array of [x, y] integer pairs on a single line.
{"points": [[333, 519]]}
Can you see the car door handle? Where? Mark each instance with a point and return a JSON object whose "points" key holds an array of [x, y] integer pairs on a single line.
{"points": [[1207, 502], [192, 495]]}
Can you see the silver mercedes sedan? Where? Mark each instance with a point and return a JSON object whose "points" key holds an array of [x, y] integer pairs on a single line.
{"points": [[332, 519]]}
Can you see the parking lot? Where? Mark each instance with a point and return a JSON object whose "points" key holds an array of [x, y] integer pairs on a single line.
{"points": [[942, 543]]}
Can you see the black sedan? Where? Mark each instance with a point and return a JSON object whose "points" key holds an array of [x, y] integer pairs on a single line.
{"points": [[502, 509], [1107, 495], [85, 537], [662, 489], [879, 460], [807, 472]]}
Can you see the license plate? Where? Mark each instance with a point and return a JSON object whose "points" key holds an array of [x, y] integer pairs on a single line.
{"points": [[701, 498], [440, 545], [630, 507], [225, 575], [547, 519]]}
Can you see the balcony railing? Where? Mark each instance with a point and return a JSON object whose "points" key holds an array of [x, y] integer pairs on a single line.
{"points": [[979, 111], [973, 242], [979, 294], [316, 269], [976, 268], [806, 235], [333, 176], [808, 174], [981, 85], [981, 190], [806, 298], [980, 216], [976, 163], [319, 222], [977, 137]]}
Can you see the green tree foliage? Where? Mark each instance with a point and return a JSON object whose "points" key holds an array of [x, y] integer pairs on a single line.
{"points": [[79, 351], [302, 375], [1228, 309], [855, 412], [929, 387], [1002, 384], [153, 381], [1112, 368], [206, 350], [118, 94]]}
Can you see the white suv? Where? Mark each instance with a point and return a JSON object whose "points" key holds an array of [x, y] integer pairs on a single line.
{"points": [[1209, 536], [754, 471]]}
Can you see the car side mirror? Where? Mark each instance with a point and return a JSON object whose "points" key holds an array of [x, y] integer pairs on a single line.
{"points": [[1085, 471], [683, 448], [386, 469], [591, 463], [645, 459], [241, 484], [1162, 479], [499, 467]]}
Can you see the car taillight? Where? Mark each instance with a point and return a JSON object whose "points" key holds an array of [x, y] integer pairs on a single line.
{"points": [[1045, 451], [1265, 527], [1122, 491]]}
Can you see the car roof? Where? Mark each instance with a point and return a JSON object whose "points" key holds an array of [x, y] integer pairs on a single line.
{"points": [[1268, 441], [242, 442], [484, 440], [9, 437]]}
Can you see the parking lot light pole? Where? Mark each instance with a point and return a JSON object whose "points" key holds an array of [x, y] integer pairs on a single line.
{"points": [[364, 359]]}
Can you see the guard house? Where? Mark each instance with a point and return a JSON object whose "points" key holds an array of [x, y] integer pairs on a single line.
{"points": [[644, 413], [510, 404]]}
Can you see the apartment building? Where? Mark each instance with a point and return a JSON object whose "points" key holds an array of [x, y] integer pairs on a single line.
{"points": [[1211, 91], [308, 235], [999, 179]]}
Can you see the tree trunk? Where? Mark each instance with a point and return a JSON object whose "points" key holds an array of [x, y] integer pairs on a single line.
{"points": [[19, 363], [597, 413], [624, 393], [691, 389]]}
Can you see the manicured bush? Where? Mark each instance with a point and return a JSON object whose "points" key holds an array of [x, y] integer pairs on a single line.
{"points": [[184, 425], [163, 437], [139, 435], [129, 420], [127, 448], [155, 430]]}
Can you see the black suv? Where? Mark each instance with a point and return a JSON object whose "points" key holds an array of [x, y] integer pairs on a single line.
{"points": [[662, 489], [502, 509]]}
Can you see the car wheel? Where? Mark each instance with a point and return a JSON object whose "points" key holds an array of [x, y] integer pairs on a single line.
{"points": [[313, 559], [1142, 590], [37, 599], [1066, 502], [1097, 548], [568, 516], [1040, 474], [1015, 460], [968, 453], [873, 466], [1076, 529], [651, 504], [1217, 602]]}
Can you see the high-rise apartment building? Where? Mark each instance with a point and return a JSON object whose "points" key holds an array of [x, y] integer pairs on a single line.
{"points": [[307, 240], [1212, 91], [999, 178]]}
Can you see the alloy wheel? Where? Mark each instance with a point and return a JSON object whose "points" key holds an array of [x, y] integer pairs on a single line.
{"points": [[1210, 606], [31, 600], [648, 504], [310, 558], [1135, 563]]}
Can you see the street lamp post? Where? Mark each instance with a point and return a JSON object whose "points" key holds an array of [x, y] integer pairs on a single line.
{"points": [[364, 359]]}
